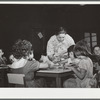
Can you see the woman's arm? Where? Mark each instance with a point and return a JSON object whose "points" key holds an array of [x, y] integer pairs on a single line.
{"points": [[51, 57]]}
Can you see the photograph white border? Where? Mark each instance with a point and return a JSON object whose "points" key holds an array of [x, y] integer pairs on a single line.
{"points": [[50, 2], [49, 93]]}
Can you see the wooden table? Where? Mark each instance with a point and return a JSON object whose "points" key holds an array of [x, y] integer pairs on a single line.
{"points": [[58, 74]]}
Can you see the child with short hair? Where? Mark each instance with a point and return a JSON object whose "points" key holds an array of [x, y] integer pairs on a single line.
{"points": [[71, 57], [12, 58], [84, 71], [96, 51], [31, 56]]}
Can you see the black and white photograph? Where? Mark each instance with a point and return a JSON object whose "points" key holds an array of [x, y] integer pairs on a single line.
{"points": [[50, 50], [50, 45]]}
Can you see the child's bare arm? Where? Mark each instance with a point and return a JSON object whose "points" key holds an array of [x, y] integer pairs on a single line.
{"points": [[80, 74], [64, 61], [43, 65]]}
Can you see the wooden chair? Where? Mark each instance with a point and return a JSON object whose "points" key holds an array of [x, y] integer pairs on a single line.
{"points": [[16, 80]]}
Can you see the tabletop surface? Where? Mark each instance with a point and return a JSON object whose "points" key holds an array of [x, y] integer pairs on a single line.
{"points": [[59, 70]]}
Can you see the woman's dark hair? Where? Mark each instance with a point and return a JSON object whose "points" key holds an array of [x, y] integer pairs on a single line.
{"points": [[21, 48], [81, 48], [60, 30]]}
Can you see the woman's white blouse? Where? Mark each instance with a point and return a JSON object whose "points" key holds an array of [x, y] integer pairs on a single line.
{"points": [[55, 47]]}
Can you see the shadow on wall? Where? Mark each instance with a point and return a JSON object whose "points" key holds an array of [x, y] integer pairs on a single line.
{"points": [[37, 44]]}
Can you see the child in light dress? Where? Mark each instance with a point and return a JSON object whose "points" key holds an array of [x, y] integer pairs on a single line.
{"points": [[84, 70]]}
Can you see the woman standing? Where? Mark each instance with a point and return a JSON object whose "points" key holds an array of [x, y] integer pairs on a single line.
{"points": [[58, 44]]}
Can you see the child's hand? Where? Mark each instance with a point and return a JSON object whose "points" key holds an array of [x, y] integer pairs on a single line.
{"points": [[70, 65], [73, 65], [62, 62], [93, 82], [71, 68]]}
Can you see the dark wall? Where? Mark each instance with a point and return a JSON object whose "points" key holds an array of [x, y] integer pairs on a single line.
{"points": [[25, 21]]}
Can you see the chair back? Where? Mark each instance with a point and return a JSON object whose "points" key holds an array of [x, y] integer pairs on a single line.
{"points": [[16, 79]]}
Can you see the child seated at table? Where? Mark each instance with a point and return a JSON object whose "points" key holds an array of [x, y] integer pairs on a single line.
{"points": [[72, 59], [3, 59], [31, 56], [12, 58], [22, 64], [84, 71], [96, 52]]}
